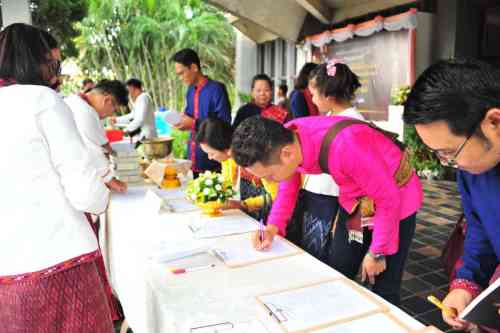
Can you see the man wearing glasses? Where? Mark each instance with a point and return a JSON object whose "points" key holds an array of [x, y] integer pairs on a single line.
{"points": [[455, 107]]}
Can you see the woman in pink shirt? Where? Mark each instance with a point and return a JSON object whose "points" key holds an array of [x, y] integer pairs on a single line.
{"points": [[363, 162]]}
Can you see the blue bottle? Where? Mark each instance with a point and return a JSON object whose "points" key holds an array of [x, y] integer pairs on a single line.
{"points": [[162, 127]]}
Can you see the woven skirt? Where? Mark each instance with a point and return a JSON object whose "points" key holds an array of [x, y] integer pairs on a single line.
{"points": [[72, 300]]}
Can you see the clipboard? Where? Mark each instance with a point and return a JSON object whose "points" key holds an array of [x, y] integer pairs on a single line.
{"points": [[280, 315], [387, 316], [263, 257]]}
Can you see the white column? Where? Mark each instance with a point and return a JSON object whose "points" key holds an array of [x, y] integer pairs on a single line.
{"points": [[15, 11], [246, 64]]}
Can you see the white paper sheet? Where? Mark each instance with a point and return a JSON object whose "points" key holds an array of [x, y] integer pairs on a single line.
{"points": [[375, 323], [174, 250], [241, 251], [172, 117], [152, 202], [232, 222], [310, 307], [253, 326], [180, 205]]}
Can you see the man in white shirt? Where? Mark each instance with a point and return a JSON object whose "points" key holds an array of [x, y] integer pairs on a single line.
{"points": [[88, 110], [141, 121]]}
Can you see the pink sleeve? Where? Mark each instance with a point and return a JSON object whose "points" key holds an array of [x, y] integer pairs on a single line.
{"points": [[365, 166], [284, 204]]}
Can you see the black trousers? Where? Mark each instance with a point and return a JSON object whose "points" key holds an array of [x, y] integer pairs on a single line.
{"points": [[347, 257]]}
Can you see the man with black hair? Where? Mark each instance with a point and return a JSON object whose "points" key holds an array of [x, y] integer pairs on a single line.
{"points": [[205, 98], [455, 107], [87, 85], [141, 121], [379, 193], [88, 110]]}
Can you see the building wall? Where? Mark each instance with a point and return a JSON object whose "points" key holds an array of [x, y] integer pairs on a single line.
{"points": [[246, 64], [279, 59], [15, 11]]}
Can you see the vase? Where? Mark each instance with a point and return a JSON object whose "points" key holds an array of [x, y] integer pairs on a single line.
{"points": [[211, 208]]}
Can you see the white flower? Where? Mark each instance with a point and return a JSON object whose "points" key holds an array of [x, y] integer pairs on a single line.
{"points": [[206, 191], [220, 179], [193, 196], [207, 173], [218, 187], [209, 182]]}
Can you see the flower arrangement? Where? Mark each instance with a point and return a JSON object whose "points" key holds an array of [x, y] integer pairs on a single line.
{"points": [[209, 187]]}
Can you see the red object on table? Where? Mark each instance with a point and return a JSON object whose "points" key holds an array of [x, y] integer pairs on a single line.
{"points": [[114, 135]]}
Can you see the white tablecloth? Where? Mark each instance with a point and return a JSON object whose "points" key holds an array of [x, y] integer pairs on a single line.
{"points": [[155, 300]]}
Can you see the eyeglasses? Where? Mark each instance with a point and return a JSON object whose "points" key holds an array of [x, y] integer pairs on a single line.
{"points": [[55, 67], [451, 159]]}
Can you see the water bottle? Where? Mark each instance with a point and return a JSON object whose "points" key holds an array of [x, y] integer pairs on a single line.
{"points": [[162, 127]]}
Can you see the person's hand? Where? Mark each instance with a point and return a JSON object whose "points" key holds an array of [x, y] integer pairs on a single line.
{"points": [[116, 185], [185, 124], [371, 268], [234, 204], [270, 231], [457, 300], [112, 120]]}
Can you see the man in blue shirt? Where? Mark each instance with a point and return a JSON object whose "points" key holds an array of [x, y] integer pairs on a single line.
{"points": [[455, 107], [205, 98]]}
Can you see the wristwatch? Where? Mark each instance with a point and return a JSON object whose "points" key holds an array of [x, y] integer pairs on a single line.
{"points": [[376, 256]]}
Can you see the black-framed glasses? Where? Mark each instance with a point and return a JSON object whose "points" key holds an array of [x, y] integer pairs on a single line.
{"points": [[451, 159]]}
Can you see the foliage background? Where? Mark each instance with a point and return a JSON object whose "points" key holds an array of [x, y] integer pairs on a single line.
{"points": [[137, 38], [120, 39]]}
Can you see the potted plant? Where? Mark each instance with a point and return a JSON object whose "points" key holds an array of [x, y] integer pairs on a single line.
{"points": [[426, 164], [210, 191]]}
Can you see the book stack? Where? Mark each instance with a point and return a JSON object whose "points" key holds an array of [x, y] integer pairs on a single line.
{"points": [[126, 163]]}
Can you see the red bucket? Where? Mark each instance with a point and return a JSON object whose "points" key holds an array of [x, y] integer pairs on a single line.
{"points": [[114, 135]]}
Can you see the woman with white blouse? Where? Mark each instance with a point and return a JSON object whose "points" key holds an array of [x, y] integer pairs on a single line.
{"points": [[48, 277]]}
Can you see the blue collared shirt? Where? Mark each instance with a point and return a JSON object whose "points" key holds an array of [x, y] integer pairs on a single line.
{"points": [[481, 203], [213, 102]]}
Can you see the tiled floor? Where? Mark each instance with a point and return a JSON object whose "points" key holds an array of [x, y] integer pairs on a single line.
{"points": [[424, 274]]}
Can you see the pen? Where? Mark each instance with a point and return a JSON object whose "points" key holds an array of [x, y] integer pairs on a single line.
{"points": [[192, 269], [448, 311]]}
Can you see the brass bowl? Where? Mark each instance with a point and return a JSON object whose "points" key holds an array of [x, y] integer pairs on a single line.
{"points": [[157, 148]]}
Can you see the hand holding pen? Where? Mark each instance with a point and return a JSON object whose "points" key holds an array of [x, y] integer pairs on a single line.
{"points": [[263, 238]]}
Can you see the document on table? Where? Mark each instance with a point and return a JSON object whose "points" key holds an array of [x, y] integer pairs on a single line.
{"points": [[319, 306], [232, 222], [180, 205], [253, 326], [379, 322], [172, 250], [239, 252]]}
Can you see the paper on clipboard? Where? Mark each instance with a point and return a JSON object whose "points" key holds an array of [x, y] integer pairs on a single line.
{"points": [[236, 252], [172, 117], [379, 322], [320, 305]]}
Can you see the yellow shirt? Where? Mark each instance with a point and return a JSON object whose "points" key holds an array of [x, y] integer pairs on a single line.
{"points": [[230, 171]]}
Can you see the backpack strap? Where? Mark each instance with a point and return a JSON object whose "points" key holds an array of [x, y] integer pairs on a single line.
{"points": [[404, 172]]}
